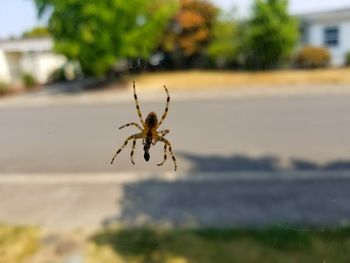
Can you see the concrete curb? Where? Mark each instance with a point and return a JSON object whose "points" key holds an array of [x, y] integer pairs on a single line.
{"points": [[107, 97], [126, 178]]}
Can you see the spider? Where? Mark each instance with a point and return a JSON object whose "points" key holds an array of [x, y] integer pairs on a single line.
{"points": [[148, 133]]}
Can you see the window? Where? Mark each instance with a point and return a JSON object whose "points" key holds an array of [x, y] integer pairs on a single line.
{"points": [[331, 36]]}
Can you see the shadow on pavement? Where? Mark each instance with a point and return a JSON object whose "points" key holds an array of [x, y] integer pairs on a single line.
{"points": [[241, 163], [219, 199], [79, 86]]}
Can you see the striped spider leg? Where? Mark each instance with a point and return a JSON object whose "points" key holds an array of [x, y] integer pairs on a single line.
{"points": [[132, 137], [133, 124], [135, 136], [166, 108], [161, 134], [139, 113], [167, 144]]}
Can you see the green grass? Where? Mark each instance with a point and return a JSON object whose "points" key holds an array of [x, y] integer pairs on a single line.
{"points": [[207, 245], [17, 243], [279, 244]]}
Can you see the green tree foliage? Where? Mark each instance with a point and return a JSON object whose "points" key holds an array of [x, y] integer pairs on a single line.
{"points": [[270, 35], [224, 46], [39, 31], [190, 31], [98, 33]]}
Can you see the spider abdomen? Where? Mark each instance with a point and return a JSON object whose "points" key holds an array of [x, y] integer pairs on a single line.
{"points": [[148, 142], [146, 156], [151, 123]]}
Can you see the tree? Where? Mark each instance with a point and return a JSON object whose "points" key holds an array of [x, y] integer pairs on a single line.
{"points": [[98, 33], [270, 35], [39, 31], [189, 32], [223, 49]]}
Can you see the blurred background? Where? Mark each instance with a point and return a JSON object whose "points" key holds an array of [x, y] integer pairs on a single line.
{"points": [[259, 119]]}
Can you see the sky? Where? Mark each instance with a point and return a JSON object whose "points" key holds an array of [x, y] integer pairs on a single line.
{"points": [[16, 16]]}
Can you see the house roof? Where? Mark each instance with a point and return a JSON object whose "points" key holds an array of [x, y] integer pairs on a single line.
{"points": [[27, 45], [327, 15]]}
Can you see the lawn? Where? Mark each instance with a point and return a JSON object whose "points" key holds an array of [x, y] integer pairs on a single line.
{"points": [[147, 245], [17, 243], [193, 80], [205, 245], [184, 80]]}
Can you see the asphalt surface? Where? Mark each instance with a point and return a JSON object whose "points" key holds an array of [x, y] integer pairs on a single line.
{"points": [[242, 161], [264, 133]]}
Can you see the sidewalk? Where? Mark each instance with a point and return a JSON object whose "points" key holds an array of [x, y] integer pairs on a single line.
{"points": [[86, 202]]}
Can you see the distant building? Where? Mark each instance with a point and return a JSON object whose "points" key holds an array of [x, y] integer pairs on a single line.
{"points": [[329, 29], [32, 56]]}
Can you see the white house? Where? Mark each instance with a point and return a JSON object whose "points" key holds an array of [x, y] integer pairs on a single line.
{"points": [[28, 56], [329, 29]]}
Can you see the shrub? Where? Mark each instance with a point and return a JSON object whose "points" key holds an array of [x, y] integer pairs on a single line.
{"points": [[57, 75], [347, 59], [28, 80], [312, 57], [4, 89]]}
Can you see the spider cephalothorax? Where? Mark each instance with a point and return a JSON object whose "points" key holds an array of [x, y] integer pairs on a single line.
{"points": [[151, 120], [149, 134]]}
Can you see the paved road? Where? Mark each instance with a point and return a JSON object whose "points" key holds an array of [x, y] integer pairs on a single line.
{"points": [[224, 138], [224, 134]]}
